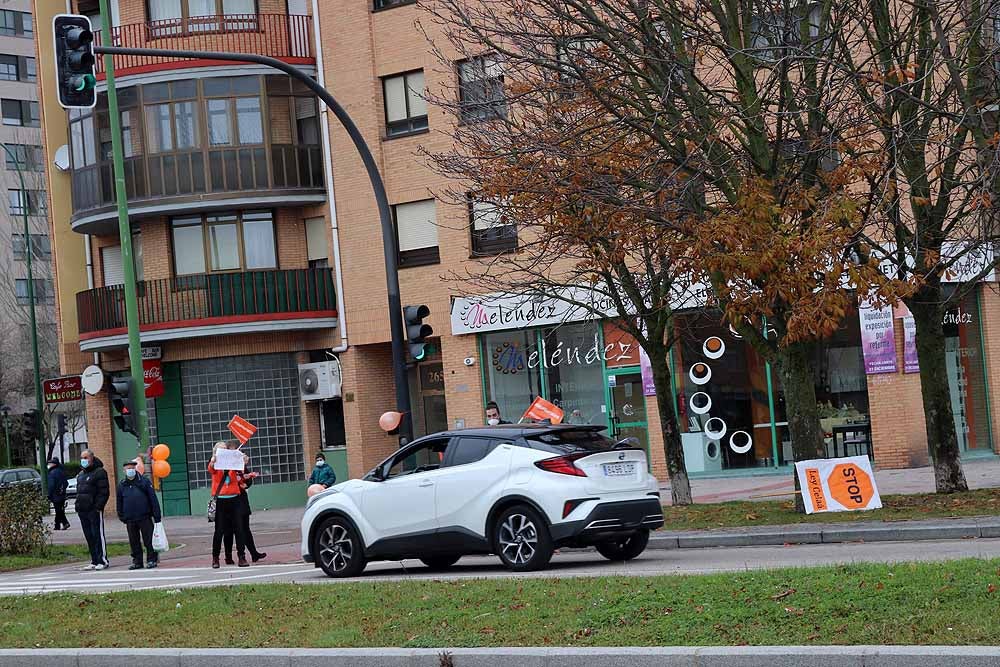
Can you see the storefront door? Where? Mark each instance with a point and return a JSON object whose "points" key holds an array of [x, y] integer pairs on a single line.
{"points": [[627, 407]]}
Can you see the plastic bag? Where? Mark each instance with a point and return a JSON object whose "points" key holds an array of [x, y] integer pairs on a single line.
{"points": [[160, 538]]}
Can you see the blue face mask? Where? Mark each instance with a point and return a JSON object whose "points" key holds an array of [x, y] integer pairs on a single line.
{"points": [[84, 463], [130, 473]]}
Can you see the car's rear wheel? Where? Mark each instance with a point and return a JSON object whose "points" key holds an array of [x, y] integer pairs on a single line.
{"points": [[440, 562], [624, 548], [522, 539], [338, 548]]}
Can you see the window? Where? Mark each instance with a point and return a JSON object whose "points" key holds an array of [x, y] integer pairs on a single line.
{"points": [[405, 108], [490, 234], [30, 201], [28, 158], [16, 24], [40, 245], [171, 125], [42, 291], [179, 16], [416, 229], [480, 89], [234, 121], [423, 458], [112, 268], [8, 67], [386, 4], [20, 113], [316, 243], [30, 70], [18, 68], [774, 32], [224, 242], [470, 450]]}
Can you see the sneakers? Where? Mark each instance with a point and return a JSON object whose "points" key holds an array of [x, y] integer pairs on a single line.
{"points": [[89, 567], [152, 564], [215, 563], [135, 566], [101, 566]]}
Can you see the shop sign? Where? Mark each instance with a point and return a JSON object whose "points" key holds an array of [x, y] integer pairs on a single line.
{"points": [[152, 378], [878, 341], [971, 262], [63, 390], [518, 311], [838, 485], [152, 353]]}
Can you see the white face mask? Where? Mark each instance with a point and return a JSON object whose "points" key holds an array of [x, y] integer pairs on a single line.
{"points": [[320, 464], [492, 422]]}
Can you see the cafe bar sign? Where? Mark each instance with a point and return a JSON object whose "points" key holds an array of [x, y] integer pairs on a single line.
{"points": [[63, 390]]}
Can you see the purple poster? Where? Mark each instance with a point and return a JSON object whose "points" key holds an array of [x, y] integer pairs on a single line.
{"points": [[910, 362], [878, 341], [648, 387]]}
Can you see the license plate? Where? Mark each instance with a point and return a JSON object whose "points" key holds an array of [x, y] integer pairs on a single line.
{"points": [[618, 469]]}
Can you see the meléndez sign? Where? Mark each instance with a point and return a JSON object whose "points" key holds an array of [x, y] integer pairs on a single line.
{"points": [[838, 485]]}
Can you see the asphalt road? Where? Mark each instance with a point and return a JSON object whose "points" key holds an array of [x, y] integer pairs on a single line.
{"points": [[188, 572]]}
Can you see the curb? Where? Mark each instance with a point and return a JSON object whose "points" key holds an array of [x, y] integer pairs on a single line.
{"points": [[873, 531], [772, 656]]}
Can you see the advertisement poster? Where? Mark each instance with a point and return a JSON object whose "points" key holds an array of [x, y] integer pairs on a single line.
{"points": [[838, 485], [152, 371], [878, 342], [910, 362], [646, 369]]}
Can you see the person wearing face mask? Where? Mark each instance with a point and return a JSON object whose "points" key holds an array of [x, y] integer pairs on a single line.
{"points": [[246, 481], [57, 493], [493, 417], [92, 494], [138, 509], [322, 473]]}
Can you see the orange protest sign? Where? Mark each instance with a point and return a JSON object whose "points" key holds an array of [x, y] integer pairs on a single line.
{"points": [[242, 429], [814, 488], [540, 410], [850, 486], [838, 485]]}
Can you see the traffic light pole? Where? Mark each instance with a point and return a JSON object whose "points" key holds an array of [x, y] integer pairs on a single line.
{"points": [[389, 243], [125, 236], [25, 201]]}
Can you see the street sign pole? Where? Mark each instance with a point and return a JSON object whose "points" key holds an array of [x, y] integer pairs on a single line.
{"points": [[125, 236], [389, 242]]}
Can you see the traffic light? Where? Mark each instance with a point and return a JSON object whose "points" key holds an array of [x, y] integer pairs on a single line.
{"points": [[75, 61], [417, 332], [123, 400], [31, 425]]}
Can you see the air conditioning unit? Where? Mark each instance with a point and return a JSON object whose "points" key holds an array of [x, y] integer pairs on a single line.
{"points": [[319, 382]]}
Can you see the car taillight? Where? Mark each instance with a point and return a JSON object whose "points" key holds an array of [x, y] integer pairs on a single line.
{"points": [[562, 465]]}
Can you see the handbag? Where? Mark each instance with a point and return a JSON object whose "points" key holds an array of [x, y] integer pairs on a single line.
{"points": [[210, 513]]}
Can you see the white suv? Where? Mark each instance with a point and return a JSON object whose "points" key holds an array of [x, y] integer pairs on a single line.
{"points": [[517, 491]]}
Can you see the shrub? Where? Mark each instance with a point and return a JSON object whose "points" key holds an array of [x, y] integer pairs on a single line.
{"points": [[23, 509]]}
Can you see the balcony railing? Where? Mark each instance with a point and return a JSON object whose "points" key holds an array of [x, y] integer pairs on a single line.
{"points": [[211, 300], [287, 37]]}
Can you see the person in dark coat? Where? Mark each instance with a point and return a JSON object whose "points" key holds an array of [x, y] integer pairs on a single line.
{"points": [[57, 484], [92, 494], [245, 512], [322, 473], [138, 509]]}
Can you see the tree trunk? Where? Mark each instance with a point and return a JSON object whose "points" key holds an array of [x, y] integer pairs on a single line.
{"points": [[680, 485], [942, 442], [794, 364]]}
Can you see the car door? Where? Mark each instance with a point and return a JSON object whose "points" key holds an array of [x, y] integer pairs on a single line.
{"points": [[401, 507], [470, 482]]}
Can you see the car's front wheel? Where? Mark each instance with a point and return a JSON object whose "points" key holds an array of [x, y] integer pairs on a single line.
{"points": [[522, 539], [338, 548], [438, 563], [624, 548]]}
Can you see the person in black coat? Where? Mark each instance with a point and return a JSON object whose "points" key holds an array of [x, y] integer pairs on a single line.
{"points": [[138, 509], [92, 493], [57, 484]]}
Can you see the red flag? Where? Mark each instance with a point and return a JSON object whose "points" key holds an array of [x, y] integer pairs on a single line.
{"points": [[242, 429], [540, 410]]}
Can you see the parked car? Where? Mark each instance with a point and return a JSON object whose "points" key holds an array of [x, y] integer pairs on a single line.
{"points": [[517, 491], [71, 487], [20, 476]]}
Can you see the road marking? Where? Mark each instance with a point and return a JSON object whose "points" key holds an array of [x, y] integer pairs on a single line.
{"points": [[225, 581]]}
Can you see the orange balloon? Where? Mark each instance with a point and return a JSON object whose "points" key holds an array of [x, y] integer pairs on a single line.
{"points": [[161, 453], [161, 469], [390, 420], [314, 489], [140, 466]]}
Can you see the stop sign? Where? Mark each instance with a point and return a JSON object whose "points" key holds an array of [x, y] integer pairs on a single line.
{"points": [[851, 486]]}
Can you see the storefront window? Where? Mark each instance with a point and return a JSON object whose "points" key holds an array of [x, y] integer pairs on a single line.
{"points": [[512, 361], [574, 375], [966, 378]]}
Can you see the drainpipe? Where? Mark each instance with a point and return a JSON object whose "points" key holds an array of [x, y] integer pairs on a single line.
{"points": [[90, 280], [328, 168]]}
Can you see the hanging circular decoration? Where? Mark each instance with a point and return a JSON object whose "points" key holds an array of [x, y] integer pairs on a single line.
{"points": [[701, 403], [712, 451], [738, 437], [700, 373], [713, 347], [715, 428]]}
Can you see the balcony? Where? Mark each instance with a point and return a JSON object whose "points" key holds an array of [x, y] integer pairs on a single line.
{"points": [[283, 36], [210, 305]]}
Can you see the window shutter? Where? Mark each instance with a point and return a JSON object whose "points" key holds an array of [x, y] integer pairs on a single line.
{"points": [[316, 239], [485, 215], [111, 264], [416, 224]]}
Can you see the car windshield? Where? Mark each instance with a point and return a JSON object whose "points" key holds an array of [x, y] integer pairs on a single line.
{"points": [[571, 442]]}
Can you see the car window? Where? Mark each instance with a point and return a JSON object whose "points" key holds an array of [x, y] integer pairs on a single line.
{"points": [[6, 478], [25, 476], [427, 456], [570, 442], [470, 450]]}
